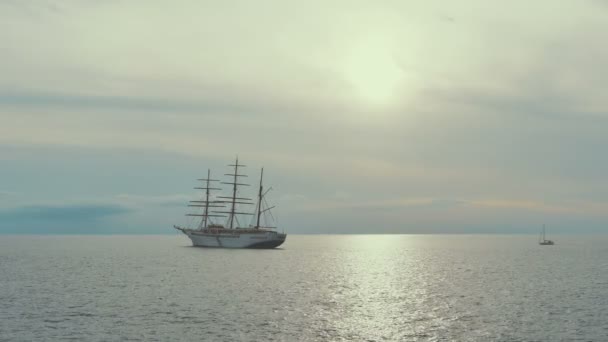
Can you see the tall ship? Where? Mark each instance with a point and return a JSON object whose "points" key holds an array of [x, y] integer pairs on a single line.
{"points": [[221, 220]]}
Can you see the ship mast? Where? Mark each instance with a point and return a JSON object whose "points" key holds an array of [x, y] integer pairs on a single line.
{"points": [[206, 199], [234, 186], [261, 200], [206, 204], [233, 200], [257, 225]]}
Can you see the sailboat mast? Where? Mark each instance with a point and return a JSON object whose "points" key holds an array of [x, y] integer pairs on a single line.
{"points": [[257, 226], [233, 207], [233, 200], [207, 200], [544, 232], [206, 203]]}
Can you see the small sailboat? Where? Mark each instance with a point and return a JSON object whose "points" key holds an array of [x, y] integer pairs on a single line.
{"points": [[542, 240]]}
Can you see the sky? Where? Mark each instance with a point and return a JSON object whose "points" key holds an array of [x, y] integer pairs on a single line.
{"points": [[368, 116]]}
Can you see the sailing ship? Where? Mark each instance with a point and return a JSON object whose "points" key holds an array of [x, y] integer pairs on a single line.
{"points": [[210, 232], [542, 240]]}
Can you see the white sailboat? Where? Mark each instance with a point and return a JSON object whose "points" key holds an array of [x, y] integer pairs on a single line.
{"points": [[542, 239], [210, 233]]}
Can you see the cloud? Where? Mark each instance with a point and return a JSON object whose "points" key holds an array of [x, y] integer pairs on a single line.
{"points": [[500, 110], [63, 219], [63, 213], [78, 101], [7, 193], [174, 200]]}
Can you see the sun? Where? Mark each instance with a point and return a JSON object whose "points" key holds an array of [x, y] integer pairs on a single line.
{"points": [[373, 72]]}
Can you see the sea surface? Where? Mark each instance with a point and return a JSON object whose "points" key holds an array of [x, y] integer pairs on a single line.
{"points": [[314, 288]]}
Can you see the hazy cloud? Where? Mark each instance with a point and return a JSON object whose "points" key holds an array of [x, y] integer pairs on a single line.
{"points": [[63, 213], [419, 114]]}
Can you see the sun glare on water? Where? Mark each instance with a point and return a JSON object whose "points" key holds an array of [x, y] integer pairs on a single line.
{"points": [[373, 72]]}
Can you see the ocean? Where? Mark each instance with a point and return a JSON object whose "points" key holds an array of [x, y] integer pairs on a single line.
{"points": [[313, 288]]}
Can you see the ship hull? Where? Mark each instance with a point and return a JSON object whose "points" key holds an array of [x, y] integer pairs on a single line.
{"points": [[233, 238]]}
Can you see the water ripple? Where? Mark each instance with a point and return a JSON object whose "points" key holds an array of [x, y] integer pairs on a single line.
{"points": [[318, 288]]}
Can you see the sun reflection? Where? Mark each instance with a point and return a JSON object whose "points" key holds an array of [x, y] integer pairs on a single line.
{"points": [[371, 295]]}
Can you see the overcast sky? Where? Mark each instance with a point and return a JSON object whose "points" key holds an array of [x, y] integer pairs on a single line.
{"points": [[368, 116]]}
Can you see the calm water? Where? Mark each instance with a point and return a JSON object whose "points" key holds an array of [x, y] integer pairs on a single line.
{"points": [[316, 288]]}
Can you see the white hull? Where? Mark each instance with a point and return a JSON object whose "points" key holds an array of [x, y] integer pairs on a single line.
{"points": [[233, 238]]}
